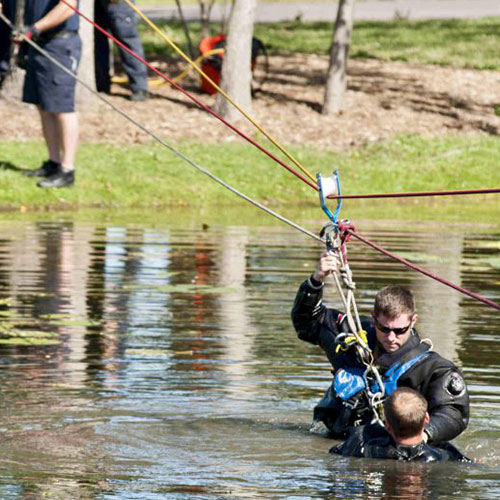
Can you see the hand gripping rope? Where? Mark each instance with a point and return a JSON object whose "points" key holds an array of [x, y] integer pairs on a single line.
{"points": [[336, 234]]}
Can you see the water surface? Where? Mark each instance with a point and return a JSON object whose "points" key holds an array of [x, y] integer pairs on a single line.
{"points": [[159, 361]]}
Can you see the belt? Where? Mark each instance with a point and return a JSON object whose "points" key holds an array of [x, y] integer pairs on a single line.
{"points": [[46, 37]]}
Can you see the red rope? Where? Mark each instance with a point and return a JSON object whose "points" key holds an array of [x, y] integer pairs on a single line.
{"points": [[190, 96], [261, 148], [423, 271], [417, 193]]}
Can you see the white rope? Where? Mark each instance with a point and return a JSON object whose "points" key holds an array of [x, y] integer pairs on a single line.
{"points": [[353, 319]]}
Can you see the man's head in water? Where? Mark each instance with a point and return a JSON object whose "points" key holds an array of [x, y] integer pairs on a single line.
{"points": [[406, 416], [394, 316]]}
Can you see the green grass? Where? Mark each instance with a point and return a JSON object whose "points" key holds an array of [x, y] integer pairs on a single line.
{"points": [[463, 43], [150, 177]]}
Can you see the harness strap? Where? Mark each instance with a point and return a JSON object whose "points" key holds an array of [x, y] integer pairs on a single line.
{"points": [[350, 381]]}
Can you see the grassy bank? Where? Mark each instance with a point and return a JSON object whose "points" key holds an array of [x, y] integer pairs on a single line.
{"points": [[149, 176], [462, 43]]}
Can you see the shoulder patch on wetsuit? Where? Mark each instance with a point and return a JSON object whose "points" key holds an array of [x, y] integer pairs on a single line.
{"points": [[455, 384]]}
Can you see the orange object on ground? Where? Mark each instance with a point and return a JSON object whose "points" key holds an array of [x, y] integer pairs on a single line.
{"points": [[212, 65]]}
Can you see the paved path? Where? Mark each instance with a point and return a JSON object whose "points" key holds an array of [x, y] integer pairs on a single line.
{"points": [[364, 10]]}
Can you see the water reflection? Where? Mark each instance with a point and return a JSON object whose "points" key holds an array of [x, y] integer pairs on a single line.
{"points": [[163, 363]]}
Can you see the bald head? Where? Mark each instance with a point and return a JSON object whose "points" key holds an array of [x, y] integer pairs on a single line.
{"points": [[405, 412]]}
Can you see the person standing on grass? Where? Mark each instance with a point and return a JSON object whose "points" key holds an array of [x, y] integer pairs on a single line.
{"points": [[53, 26], [120, 19]]}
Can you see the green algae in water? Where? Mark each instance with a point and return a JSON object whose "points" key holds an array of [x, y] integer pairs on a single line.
{"points": [[148, 353], [182, 288], [27, 341], [29, 337], [76, 322], [423, 257]]}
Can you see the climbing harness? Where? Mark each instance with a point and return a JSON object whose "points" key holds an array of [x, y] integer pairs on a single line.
{"points": [[336, 234]]}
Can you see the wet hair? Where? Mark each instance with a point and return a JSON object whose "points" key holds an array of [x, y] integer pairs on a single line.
{"points": [[405, 412], [394, 300]]}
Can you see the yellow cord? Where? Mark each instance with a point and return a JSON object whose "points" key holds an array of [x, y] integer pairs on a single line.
{"points": [[200, 71]]}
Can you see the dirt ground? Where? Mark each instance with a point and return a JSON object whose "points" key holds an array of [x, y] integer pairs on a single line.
{"points": [[382, 99]]}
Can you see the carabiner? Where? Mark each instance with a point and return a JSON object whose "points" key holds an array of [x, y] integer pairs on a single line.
{"points": [[326, 187]]}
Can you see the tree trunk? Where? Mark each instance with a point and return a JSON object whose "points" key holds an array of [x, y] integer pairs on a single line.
{"points": [[85, 100], [185, 27], [205, 11], [224, 17], [337, 69], [236, 69]]}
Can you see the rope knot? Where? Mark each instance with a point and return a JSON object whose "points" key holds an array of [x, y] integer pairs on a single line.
{"points": [[345, 228]]}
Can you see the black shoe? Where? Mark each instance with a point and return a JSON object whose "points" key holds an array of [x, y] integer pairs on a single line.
{"points": [[140, 95], [48, 169], [59, 180]]}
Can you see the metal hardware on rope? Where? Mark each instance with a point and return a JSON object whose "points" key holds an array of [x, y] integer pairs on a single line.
{"points": [[330, 186], [336, 234]]}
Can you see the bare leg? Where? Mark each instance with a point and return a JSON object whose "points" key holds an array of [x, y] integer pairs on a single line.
{"points": [[51, 134], [67, 124]]}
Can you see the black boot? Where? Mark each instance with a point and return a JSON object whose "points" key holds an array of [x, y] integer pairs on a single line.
{"points": [[59, 180], [48, 169], [139, 96]]}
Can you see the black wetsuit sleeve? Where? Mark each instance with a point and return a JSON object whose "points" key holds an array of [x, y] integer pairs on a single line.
{"points": [[352, 446], [448, 401], [319, 325], [365, 441], [308, 312], [452, 454]]}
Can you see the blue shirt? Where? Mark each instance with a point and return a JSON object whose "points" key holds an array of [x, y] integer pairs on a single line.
{"points": [[34, 10]]}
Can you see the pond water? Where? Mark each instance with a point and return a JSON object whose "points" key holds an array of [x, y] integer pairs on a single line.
{"points": [[144, 361]]}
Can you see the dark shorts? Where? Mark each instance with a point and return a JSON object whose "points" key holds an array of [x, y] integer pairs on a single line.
{"points": [[47, 85]]}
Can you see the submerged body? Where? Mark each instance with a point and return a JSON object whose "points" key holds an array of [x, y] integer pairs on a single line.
{"points": [[373, 441]]}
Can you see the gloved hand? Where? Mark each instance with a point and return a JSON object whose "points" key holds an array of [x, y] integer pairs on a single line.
{"points": [[30, 32], [350, 341]]}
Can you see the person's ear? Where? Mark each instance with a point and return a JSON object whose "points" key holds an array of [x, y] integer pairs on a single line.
{"points": [[415, 319], [427, 418]]}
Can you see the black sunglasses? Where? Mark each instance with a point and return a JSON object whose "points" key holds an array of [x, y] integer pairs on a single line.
{"points": [[386, 330]]}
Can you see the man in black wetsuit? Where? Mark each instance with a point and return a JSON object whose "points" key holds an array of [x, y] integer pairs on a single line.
{"points": [[402, 359], [403, 435]]}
